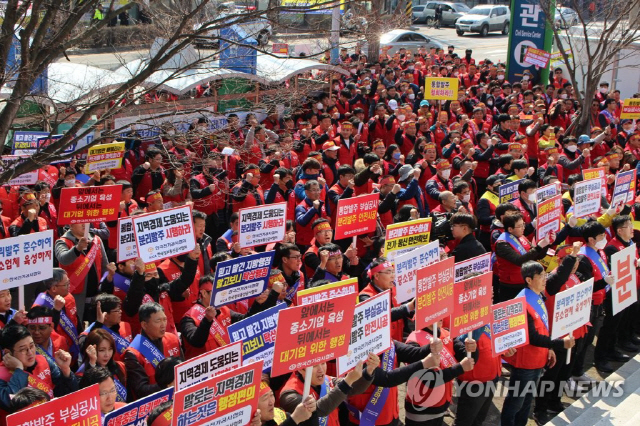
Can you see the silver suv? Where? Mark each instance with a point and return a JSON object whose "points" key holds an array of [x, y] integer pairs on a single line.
{"points": [[484, 18], [450, 12]]}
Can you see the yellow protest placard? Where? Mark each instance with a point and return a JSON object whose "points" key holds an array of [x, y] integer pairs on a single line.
{"points": [[441, 88]]}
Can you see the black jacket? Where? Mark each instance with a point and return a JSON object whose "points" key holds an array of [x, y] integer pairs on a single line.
{"points": [[467, 248]]}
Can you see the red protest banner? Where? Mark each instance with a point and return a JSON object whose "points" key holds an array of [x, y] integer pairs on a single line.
{"points": [[90, 204], [537, 57], [311, 334], [509, 326], [434, 293], [356, 216], [472, 301], [229, 399], [77, 408], [549, 214]]}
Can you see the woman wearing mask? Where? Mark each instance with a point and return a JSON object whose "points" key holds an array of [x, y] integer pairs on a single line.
{"points": [[98, 350], [392, 160]]}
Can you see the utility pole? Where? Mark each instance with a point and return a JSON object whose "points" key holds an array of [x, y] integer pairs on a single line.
{"points": [[335, 34]]}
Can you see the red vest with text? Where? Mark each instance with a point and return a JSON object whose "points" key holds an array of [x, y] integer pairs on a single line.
{"points": [[487, 367], [396, 326], [80, 261], [305, 233], [170, 346], [171, 272], [39, 378], [346, 155], [211, 203], [508, 272], [441, 187], [531, 357], [145, 185], [224, 319], [249, 200]]}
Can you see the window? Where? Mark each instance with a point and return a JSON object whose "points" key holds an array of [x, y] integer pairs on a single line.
{"points": [[404, 37], [420, 38], [446, 8], [431, 6]]}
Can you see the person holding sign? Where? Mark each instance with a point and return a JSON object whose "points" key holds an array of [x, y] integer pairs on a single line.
{"points": [[425, 404], [512, 251], [22, 366], [147, 349], [529, 360], [593, 264], [526, 203]]}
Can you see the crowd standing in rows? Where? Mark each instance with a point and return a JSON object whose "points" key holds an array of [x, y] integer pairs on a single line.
{"points": [[372, 133]]}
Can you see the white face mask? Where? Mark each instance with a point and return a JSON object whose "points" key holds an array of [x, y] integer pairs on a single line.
{"points": [[490, 103], [70, 182], [466, 198], [319, 105], [604, 90], [446, 174], [368, 87], [600, 245], [411, 68], [525, 77], [336, 87], [401, 117], [412, 96], [563, 96], [171, 132], [501, 77], [532, 198], [47, 197], [456, 73], [572, 148], [489, 142]]}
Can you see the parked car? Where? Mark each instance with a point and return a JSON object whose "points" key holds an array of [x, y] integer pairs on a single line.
{"points": [[483, 19], [565, 17], [258, 28], [410, 40], [450, 12], [418, 14]]}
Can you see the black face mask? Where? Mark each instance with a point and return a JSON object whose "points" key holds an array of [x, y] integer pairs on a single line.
{"points": [[289, 184], [153, 283], [213, 170], [421, 150]]}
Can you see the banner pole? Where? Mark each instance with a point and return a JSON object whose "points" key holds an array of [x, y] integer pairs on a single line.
{"points": [[86, 231], [569, 353], [307, 382], [435, 330], [468, 352], [21, 297]]}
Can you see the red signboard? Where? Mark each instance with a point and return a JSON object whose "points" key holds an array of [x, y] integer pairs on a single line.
{"points": [[226, 399], [537, 57], [509, 325], [78, 408], [472, 304], [90, 204], [357, 216], [434, 293], [311, 334]]}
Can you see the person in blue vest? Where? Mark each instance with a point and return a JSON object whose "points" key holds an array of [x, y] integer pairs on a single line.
{"points": [[593, 264], [529, 360]]}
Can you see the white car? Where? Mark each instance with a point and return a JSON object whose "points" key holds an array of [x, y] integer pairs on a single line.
{"points": [[565, 17], [258, 28], [410, 40], [483, 19]]}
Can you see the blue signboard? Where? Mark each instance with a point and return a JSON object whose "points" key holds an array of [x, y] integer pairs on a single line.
{"points": [[258, 336], [136, 413], [238, 50], [25, 142], [528, 23], [241, 278], [508, 191], [40, 84]]}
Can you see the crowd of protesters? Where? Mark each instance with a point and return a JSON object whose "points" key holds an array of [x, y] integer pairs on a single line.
{"points": [[373, 132]]}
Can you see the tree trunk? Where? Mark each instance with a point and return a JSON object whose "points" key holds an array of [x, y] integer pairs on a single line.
{"points": [[373, 31]]}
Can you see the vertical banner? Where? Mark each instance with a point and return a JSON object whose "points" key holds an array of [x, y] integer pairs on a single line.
{"points": [[357, 216], [241, 278], [262, 225], [587, 198], [136, 413], [624, 191], [509, 326], [127, 248], [405, 236], [328, 291], [475, 265], [472, 304], [571, 309], [509, 191], [78, 408], [229, 399], [406, 266], [163, 234], [434, 293], [624, 269], [258, 336], [207, 365], [549, 214], [371, 331], [311, 334]]}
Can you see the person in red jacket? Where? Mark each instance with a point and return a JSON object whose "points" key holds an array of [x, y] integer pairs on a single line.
{"points": [[307, 211], [28, 222], [248, 192], [529, 360], [347, 152], [208, 193], [148, 176]]}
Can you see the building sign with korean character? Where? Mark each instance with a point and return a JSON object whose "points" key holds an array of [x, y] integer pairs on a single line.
{"points": [[434, 293], [136, 412], [228, 399], [258, 335], [624, 269], [549, 214], [241, 278], [587, 197], [327, 291], [207, 365], [441, 88], [127, 248], [472, 304], [357, 216], [164, 234], [528, 25], [406, 266], [80, 408], [262, 225], [371, 331], [475, 265], [104, 157], [571, 309], [90, 204], [509, 326], [312, 334], [26, 259], [405, 236]]}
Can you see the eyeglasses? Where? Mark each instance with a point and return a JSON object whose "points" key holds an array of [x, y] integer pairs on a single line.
{"points": [[109, 392], [387, 272], [298, 257], [25, 351]]}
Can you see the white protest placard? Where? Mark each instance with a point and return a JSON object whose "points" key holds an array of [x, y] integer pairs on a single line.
{"points": [[371, 331], [548, 191], [207, 365], [406, 266], [571, 308], [327, 291], [29, 178], [624, 290], [164, 234], [26, 259], [479, 264], [127, 248], [587, 197], [262, 225]]}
